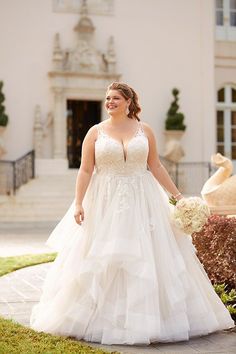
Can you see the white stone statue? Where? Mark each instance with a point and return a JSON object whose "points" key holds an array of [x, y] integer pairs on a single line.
{"points": [[220, 188]]}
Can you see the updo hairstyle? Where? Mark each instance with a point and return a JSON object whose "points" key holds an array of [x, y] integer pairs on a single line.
{"points": [[127, 92]]}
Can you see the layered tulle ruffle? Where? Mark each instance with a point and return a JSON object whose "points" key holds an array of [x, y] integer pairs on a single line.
{"points": [[126, 275]]}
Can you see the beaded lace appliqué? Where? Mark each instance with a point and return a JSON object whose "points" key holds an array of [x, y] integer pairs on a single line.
{"points": [[111, 162], [109, 154]]}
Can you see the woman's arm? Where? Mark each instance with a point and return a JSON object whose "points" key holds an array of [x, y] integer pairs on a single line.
{"points": [[156, 167], [85, 172]]}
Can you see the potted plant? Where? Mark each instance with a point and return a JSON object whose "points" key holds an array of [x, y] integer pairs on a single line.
{"points": [[3, 119], [174, 129], [175, 119], [3, 116]]}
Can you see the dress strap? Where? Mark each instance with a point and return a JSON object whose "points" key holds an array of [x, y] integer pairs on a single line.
{"points": [[99, 129], [141, 126]]}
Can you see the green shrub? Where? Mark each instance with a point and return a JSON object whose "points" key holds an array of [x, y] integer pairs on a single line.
{"points": [[228, 297], [174, 119], [3, 116]]}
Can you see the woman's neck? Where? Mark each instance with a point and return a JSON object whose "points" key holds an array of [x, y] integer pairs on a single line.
{"points": [[116, 120]]}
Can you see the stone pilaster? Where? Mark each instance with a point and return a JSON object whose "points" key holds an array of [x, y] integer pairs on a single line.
{"points": [[59, 131]]}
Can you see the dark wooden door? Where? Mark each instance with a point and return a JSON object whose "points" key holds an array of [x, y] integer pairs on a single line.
{"points": [[81, 115]]}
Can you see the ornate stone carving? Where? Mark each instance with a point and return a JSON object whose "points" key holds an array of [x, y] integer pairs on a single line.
{"points": [[219, 191], [41, 130], [82, 72], [84, 58], [85, 27], [110, 56], [58, 55], [95, 7]]}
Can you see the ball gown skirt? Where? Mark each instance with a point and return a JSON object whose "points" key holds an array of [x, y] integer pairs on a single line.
{"points": [[127, 275]]}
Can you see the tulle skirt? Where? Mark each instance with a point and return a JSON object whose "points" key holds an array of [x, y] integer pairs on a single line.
{"points": [[126, 276]]}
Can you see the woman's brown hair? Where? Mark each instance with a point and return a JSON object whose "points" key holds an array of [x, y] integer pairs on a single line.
{"points": [[127, 92]]}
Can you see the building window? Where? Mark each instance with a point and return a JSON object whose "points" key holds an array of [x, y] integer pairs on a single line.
{"points": [[221, 95], [219, 13], [233, 95], [232, 10], [226, 122], [225, 19]]}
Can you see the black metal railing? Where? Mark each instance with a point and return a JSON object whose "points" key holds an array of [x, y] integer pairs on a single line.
{"points": [[189, 176], [15, 173]]}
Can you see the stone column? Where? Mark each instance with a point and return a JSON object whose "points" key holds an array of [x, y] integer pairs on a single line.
{"points": [[59, 126]]}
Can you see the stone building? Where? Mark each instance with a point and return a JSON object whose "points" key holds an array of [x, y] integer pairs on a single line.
{"points": [[58, 56]]}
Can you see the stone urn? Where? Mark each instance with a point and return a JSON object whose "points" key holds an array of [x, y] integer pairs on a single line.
{"points": [[173, 148], [2, 148]]}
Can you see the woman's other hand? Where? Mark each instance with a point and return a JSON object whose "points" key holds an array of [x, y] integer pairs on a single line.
{"points": [[79, 214], [179, 197]]}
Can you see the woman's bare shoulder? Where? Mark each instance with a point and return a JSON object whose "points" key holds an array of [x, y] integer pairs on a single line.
{"points": [[147, 129], [92, 133], [94, 129]]}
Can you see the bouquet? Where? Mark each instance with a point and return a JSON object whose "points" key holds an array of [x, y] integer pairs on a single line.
{"points": [[190, 214]]}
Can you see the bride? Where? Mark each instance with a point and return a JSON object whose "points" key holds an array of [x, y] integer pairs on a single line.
{"points": [[124, 274]]}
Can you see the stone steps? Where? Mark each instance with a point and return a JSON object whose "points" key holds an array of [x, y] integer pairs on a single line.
{"points": [[46, 198]]}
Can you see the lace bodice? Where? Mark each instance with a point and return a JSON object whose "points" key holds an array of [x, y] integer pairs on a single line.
{"points": [[112, 157]]}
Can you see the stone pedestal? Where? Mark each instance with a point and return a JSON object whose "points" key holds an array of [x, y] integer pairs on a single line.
{"points": [[173, 148], [2, 148]]}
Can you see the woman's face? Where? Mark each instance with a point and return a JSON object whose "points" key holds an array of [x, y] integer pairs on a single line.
{"points": [[115, 103]]}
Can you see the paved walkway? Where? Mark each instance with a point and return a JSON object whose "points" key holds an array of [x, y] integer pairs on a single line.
{"points": [[20, 290], [24, 238]]}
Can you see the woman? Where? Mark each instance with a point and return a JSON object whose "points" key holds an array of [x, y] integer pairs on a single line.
{"points": [[125, 275]]}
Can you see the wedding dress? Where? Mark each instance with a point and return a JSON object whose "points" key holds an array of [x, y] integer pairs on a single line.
{"points": [[126, 276]]}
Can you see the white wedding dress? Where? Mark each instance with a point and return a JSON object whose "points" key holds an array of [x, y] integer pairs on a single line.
{"points": [[126, 276]]}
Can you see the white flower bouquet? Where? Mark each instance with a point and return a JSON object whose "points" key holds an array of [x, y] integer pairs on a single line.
{"points": [[190, 214]]}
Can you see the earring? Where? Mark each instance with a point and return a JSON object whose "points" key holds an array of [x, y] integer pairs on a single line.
{"points": [[127, 110]]}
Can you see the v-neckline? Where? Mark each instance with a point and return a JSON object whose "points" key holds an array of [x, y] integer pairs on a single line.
{"points": [[124, 147]]}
